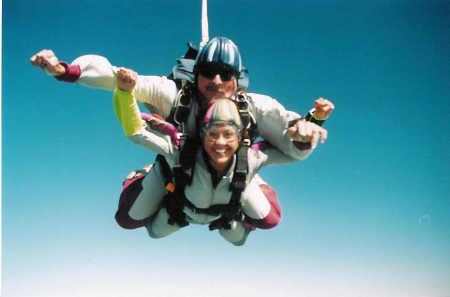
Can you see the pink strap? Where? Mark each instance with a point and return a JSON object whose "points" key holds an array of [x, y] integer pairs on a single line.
{"points": [[158, 123]]}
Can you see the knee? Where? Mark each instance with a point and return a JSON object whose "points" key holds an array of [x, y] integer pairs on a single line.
{"points": [[160, 226], [239, 243], [273, 217], [237, 235], [152, 233]]}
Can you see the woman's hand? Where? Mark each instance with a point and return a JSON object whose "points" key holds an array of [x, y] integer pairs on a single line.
{"points": [[305, 131], [126, 79]]}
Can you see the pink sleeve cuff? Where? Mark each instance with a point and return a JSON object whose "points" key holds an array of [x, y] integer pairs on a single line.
{"points": [[72, 74], [302, 145], [272, 218]]}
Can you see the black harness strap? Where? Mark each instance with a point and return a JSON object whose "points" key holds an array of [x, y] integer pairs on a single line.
{"points": [[183, 170], [239, 181], [233, 210], [173, 202], [182, 173]]}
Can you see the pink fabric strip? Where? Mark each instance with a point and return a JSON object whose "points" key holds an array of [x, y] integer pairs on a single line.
{"points": [[130, 191], [162, 125], [259, 146], [72, 74], [274, 216], [302, 145]]}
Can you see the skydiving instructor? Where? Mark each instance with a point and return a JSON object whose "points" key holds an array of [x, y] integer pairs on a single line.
{"points": [[215, 73]]}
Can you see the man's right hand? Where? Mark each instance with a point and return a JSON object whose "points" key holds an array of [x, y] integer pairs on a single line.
{"points": [[48, 62]]}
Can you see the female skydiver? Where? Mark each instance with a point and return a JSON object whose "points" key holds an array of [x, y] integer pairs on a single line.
{"points": [[215, 164]]}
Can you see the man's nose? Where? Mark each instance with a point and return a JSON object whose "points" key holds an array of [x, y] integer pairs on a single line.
{"points": [[217, 79]]}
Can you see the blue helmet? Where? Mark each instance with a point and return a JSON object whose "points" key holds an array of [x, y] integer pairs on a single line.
{"points": [[221, 51]]}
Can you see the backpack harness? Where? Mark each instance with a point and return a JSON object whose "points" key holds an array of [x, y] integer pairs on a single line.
{"points": [[182, 172]]}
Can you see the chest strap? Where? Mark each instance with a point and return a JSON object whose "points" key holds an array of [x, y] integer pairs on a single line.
{"points": [[183, 170], [175, 201]]}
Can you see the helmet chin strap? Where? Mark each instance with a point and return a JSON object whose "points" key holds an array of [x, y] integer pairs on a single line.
{"points": [[205, 30]]}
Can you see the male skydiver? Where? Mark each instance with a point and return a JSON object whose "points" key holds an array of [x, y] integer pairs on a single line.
{"points": [[216, 73]]}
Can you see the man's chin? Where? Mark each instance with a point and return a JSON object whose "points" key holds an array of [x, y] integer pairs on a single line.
{"points": [[210, 96], [218, 95]]}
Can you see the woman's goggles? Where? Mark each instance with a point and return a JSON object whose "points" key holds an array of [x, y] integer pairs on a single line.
{"points": [[228, 132]]}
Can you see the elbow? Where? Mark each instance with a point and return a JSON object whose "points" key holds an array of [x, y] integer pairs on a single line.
{"points": [[273, 217], [268, 222]]}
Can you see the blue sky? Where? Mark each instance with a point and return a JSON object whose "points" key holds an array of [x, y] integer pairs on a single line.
{"points": [[366, 215]]}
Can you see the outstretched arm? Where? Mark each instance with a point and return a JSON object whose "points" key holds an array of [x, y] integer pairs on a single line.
{"points": [[308, 133], [323, 108], [127, 110], [48, 62], [305, 134], [97, 72], [128, 114], [321, 111], [89, 70], [274, 121]]}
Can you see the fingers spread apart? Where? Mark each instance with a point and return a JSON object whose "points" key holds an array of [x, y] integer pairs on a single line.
{"points": [[308, 132]]}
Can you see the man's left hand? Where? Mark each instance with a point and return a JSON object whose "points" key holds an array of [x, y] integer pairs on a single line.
{"points": [[323, 108]]}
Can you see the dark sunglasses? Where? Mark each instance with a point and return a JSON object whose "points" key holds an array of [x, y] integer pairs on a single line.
{"points": [[210, 71]]}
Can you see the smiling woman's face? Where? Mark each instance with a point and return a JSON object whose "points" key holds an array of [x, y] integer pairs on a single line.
{"points": [[221, 141]]}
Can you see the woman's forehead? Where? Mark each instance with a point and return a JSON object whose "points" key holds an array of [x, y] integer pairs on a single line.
{"points": [[222, 126]]}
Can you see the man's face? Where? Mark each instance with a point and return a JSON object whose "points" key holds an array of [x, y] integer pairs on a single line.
{"points": [[214, 82]]}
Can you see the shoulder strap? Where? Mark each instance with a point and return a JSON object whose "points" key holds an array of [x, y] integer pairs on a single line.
{"points": [[173, 201], [239, 181], [189, 144], [241, 170], [183, 170]]}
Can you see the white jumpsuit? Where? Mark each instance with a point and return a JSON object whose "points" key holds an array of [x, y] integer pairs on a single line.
{"points": [[160, 92], [201, 192]]}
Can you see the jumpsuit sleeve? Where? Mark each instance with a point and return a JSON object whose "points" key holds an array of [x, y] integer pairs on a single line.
{"points": [[127, 112], [267, 154], [259, 201], [97, 72], [272, 121]]}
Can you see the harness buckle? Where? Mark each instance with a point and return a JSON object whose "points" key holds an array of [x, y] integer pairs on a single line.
{"points": [[242, 104], [183, 105], [183, 137], [246, 142]]}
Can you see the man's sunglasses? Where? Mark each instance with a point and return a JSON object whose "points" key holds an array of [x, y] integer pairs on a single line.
{"points": [[210, 71]]}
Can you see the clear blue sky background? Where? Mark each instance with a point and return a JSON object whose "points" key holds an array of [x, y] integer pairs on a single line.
{"points": [[366, 215]]}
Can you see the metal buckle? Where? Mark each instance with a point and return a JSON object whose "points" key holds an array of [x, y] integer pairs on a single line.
{"points": [[182, 107], [246, 142]]}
